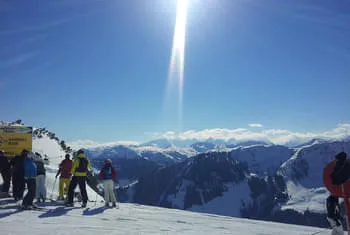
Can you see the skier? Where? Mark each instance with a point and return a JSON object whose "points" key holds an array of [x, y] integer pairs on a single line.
{"points": [[18, 174], [108, 175], [40, 178], [333, 215], [81, 166], [64, 171], [5, 170], [30, 170], [341, 170]]}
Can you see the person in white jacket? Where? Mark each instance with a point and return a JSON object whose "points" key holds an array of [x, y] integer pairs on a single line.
{"points": [[40, 193]]}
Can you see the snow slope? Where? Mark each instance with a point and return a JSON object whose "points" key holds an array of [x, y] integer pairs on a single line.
{"points": [[134, 219]]}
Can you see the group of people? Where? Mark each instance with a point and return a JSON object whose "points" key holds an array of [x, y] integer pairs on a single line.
{"points": [[27, 169]]}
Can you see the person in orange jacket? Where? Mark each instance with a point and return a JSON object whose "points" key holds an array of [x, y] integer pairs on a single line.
{"points": [[108, 175]]}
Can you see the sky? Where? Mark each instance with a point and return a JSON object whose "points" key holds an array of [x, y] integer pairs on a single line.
{"points": [[99, 70]]}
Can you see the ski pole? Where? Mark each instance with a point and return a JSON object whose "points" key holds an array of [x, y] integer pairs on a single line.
{"points": [[96, 199]]}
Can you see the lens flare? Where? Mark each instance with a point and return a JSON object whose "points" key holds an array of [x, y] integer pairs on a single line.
{"points": [[177, 61]]}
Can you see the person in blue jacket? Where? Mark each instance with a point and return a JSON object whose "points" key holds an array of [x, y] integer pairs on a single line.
{"points": [[30, 172]]}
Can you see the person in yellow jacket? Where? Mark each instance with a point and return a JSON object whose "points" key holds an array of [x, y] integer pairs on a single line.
{"points": [[80, 169]]}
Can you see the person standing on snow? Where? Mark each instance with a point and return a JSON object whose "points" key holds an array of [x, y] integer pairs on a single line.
{"points": [[333, 215], [5, 170], [64, 171], [30, 171], [80, 169], [18, 184], [108, 175], [40, 179]]}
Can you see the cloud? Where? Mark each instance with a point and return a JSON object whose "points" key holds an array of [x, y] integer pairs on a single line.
{"points": [[276, 136], [255, 125], [92, 144], [19, 59]]}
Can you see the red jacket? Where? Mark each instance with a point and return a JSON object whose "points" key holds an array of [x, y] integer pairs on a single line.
{"points": [[65, 168], [107, 173]]}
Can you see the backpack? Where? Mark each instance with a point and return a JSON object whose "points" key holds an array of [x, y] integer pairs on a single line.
{"points": [[83, 165], [108, 172]]}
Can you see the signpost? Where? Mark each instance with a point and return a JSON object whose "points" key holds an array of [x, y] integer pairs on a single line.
{"points": [[13, 139], [342, 191]]}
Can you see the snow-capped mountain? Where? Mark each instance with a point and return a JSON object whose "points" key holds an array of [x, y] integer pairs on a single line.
{"points": [[166, 143], [303, 174], [263, 159]]}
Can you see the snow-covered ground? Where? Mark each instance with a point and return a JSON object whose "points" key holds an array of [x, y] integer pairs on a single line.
{"points": [[133, 219]]}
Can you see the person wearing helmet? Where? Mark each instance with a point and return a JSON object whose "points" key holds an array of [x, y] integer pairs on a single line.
{"points": [[5, 170], [64, 171], [80, 169], [30, 173], [341, 170], [18, 183], [108, 175]]}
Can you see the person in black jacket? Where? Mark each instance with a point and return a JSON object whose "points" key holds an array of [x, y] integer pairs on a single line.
{"points": [[18, 183], [5, 170], [333, 215], [40, 193], [341, 170]]}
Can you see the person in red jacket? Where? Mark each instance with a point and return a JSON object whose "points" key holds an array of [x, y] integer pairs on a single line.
{"points": [[108, 175], [65, 171]]}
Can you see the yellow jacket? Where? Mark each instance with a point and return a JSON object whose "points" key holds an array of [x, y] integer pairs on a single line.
{"points": [[75, 169]]}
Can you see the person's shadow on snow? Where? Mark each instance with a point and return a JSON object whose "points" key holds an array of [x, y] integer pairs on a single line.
{"points": [[95, 211], [59, 211], [3, 215]]}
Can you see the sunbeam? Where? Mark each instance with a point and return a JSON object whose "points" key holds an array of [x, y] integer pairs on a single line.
{"points": [[177, 62]]}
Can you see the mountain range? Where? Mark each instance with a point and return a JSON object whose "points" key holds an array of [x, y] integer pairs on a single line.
{"points": [[249, 179]]}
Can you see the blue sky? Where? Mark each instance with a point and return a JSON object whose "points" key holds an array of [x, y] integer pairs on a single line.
{"points": [[98, 70]]}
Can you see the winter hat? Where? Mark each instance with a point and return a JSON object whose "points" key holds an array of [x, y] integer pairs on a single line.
{"points": [[67, 156], [340, 156], [25, 152], [31, 155], [109, 161], [80, 151]]}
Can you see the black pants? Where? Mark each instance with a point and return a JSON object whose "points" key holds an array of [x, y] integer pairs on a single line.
{"points": [[6, 176], [18, 186], [81, 180], [29, 197]]}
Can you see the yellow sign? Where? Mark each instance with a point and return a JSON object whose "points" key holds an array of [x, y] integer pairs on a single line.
{"points": [[13, 139]]}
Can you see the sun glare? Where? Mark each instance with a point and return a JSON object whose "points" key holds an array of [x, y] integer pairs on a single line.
{"points": [[176, 68]]}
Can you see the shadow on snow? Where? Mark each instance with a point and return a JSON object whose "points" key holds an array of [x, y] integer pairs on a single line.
{"points": [[95, 211]]}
